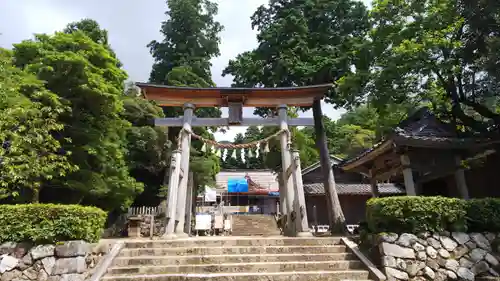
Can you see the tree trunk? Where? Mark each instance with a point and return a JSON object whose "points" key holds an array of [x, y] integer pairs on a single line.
{"points": [[36, 195], [335, 214]]}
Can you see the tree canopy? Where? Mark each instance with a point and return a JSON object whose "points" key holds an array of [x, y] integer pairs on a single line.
{"points": [[182, 58], [302, 43], [442, 53], [85, 75], [29, 117]]}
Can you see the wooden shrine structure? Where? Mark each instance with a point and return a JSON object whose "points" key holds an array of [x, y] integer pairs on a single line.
{"points": [[292, 200], [421, 149]]}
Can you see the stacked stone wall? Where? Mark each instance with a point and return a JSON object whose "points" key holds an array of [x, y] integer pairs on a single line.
{"points": [[445, 256], [66, 261]]}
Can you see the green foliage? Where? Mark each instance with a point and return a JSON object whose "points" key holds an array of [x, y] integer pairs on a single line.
{"points": [[301, 141], [50, 223], [484, 214], [191, 39], [302, 43], [29, 153], [416, 214], [85, 75], [182, 58], [432, 51]]}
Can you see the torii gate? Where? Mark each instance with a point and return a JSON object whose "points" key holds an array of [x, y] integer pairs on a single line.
{"points": [[292, 199]]}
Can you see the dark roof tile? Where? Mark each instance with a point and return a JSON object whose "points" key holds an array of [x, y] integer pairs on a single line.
{"points": [[353, 189]]}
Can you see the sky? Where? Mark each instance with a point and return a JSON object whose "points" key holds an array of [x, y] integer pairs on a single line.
{"points": [[131, 26]]}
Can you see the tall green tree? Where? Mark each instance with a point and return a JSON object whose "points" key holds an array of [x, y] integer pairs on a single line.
{"points": [[148, 146], [30, 155], [86, 77], [443, 53], [304, 43], [182, 58], [191, 38]]}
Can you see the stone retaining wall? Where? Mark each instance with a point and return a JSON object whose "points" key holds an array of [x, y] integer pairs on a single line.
{"points": [[67, 261], [449, 256]]}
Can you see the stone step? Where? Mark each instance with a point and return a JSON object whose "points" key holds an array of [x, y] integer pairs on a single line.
{"points": [[239, 267], [250, 225], [218, 259], [247, 276], [234, 241], [184, 251]]}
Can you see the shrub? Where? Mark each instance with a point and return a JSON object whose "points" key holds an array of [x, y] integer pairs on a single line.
{"points": [[415, 214], [50, 223], [483, 215]]}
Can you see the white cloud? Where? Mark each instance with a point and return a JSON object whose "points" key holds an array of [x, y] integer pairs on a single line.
{"points": [[132, 25]]}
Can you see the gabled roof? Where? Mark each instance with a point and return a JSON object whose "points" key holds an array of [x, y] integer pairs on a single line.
{"points": [[421, 129], [333, 159]]}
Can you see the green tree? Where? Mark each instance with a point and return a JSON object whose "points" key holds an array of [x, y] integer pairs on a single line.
{"points": [[148, 146], [302, 43], [438, 52], [86, 76], [182, 58], [29, 153], [191, 38]]}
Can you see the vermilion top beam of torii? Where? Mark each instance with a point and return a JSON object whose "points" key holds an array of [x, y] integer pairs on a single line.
{"points": [[235, 99], [219, 97]]}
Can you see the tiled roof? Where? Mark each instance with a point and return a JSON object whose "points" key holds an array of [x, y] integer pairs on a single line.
{"points": [[334, 160], [353, 189], [420, 128]]}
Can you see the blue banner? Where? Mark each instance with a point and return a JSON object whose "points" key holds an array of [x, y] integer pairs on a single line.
{"points": [[274, 193], [237, 185]]}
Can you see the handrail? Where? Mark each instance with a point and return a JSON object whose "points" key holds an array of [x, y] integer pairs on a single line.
{"points": [[104, 264], [374, 271]]}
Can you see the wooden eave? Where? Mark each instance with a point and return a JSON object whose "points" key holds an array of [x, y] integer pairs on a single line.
{"points": [[217, 97], [368, 156]]}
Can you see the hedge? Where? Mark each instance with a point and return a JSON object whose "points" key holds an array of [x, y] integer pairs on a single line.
{"points": [[50, 223], [484, 215], [416, 214]]}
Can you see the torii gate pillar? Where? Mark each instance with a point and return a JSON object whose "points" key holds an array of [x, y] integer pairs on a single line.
{"points": [[235, 98]]}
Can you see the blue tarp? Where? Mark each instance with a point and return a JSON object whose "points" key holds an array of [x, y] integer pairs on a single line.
{"points": [[237, 185]]}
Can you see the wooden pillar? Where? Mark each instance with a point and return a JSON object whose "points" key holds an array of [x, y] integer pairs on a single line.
{"points": [[286, 161], [173, 187], [374, 184], [408, 176], [302, 224], [335, 214], [282, 193], [460, 180], [189, 204], [182, 192]]}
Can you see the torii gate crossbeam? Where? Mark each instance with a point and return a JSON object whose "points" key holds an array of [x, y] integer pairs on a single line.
{"points": [[292, 200]]}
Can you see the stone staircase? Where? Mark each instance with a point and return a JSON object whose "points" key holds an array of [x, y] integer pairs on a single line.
{"points": [[236, 259], [254, 225]]}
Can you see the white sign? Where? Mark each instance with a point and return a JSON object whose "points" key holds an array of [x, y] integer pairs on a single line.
{"points": [[210, 194], [203, 222]]}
